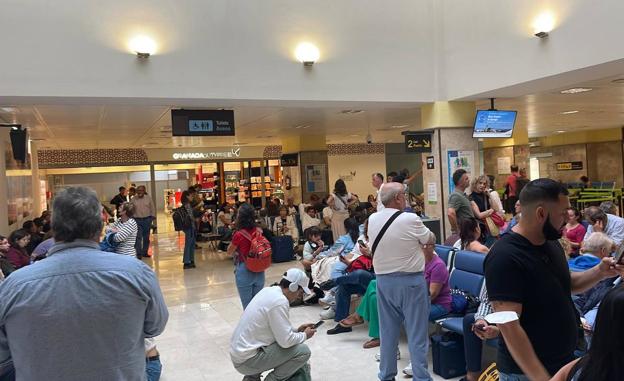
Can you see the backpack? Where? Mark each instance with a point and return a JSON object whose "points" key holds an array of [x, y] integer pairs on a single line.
{"points": [[180, 219], [259, 257]]}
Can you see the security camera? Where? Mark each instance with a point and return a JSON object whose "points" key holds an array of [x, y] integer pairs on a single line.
{"points": [[369, 139]]}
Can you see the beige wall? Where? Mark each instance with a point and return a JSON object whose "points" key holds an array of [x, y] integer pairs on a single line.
{"points": [[604, 162], [548, 165], [490, 163], [356, 171]]}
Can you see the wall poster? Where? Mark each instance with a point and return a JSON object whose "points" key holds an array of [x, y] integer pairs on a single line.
{"points": [[316, 178], [459, 160], [504, 165]]}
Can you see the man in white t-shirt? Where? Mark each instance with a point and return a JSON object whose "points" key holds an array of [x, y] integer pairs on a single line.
{"points": [[378, 181], [402, 293], [265, 339]]}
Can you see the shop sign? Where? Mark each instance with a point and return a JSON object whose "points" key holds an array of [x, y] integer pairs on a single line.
{"points": [[232, 154], [417, 143], [289, 160], [570, 166]]}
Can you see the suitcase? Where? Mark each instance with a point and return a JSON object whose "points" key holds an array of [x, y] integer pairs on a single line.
{"points": [[283, 250], [447, 352]]}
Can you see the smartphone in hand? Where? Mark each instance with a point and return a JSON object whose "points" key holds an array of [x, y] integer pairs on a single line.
{"points": [[479, 327], [320, 323]]}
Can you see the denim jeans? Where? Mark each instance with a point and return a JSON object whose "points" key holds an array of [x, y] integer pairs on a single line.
{"points": [[189, 246], [512, 377], [350, 284], [153, 368], [143, 234], [436, 312], [248, 283]]}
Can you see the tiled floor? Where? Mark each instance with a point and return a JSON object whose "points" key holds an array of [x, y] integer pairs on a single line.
{"points": [[204, 309]]}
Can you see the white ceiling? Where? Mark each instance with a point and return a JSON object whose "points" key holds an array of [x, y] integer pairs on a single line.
{"points": [[115, 126]]}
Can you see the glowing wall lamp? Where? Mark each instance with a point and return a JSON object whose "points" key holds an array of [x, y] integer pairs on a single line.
{"points": [[142, 46], [307, 53], [544, 23]]}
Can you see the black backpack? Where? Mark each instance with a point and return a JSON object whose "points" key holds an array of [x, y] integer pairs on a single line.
{"points": [[181, 219]]}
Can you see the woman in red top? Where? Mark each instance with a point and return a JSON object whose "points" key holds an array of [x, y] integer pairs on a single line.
{"points": [[248, 283], [573, 231], [17, 254]]}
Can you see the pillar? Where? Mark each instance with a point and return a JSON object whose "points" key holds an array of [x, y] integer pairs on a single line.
{"points": [[451, 124], [153, 191], [311, 176], [4, 206], [36, 181]]}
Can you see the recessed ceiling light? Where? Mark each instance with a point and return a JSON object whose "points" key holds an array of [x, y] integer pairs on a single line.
{"points": [[560, 131], [264, 136], [576, 90], [8, 109], [303, 126], [401, 126], [569, 112], [354, 135], [619, 81], [352, 112]]}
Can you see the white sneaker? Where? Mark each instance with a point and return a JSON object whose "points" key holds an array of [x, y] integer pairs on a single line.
{"points": [[328, 314], [378, 356], [329, 299], [408, 370]]}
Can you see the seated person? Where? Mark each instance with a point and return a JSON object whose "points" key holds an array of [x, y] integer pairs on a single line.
{"points": [[285, 225], [469, 233], [366, 311], [313, 247], [264, 338], [601, 222], [609, 207], [514, 220], [224, 222], [437, 277], [292, 208], [309, 218], [595, 247], [574, 231]]}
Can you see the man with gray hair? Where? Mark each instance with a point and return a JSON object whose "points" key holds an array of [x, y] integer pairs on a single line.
{"points": [[609, 207], [402, 295], [80, 314], [602, 222]]}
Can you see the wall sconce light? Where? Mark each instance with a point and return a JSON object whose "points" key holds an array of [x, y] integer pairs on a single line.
{"points": [[543, 24], [307, 53], [142, 46]]}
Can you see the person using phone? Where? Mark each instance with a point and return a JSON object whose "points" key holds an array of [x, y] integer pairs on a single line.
{"points": [[265, 325]]}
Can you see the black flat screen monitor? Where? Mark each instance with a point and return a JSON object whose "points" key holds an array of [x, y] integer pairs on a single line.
{"points": [[202, 122], [19, 144], [494, 124]]}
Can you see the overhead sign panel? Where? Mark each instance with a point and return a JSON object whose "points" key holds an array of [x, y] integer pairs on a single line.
{"points": [[202, 122], [418, 143]]}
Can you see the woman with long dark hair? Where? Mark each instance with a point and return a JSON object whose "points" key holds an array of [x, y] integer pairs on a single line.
{"points": [[248, 283], [469, 233], [603, 361], [17, 254], [340, 201]]}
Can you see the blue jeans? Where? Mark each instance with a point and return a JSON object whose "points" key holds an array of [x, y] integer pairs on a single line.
{"points": [[436, 311], [248, 283], [338, 270], [353, 283], [512, 377], [189, 246], [143, 234], [403, 299], [153, 368]]}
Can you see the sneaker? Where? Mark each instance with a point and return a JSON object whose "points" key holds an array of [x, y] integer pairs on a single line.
{"points": [[328, 314], [408, 370], [310, 299], [378, 356], [329, 299], [338, 329], [327, 285]]}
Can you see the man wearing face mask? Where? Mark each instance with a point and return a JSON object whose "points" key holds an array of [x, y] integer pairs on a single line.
{"points": [[526, 273]]}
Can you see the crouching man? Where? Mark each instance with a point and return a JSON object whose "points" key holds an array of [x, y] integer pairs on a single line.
{"points": [[265, 339]]}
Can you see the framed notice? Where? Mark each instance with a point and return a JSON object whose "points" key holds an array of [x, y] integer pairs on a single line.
{"points": [[316, 178], [459, 160], [504, 165]]}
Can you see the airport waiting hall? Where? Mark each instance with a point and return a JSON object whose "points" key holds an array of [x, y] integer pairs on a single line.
{"points": [[270, 190]]}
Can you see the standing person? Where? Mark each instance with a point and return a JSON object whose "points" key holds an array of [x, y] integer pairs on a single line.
{"points": [[6, 267], [143, 215], [98, 306], [190, 234], [378, 181], [459, 204], [480, 204], [248, 283], [511, 188], [402, 293], [527, 274], [339, 201], [264, 338], [17, 254], [601, 222], [119, 199], [495, 201], [574, 231], [126, 230], [47, 218], [35, 237]]}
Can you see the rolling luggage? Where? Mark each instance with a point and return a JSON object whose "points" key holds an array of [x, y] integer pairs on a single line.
{"points": [[447, 352], [283, 250]]}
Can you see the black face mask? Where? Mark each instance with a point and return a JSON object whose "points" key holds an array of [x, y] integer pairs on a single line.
{"points": [[550, 232]]}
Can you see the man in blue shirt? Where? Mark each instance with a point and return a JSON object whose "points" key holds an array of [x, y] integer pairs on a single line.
{"points": [[80, 314], [601, 222]]}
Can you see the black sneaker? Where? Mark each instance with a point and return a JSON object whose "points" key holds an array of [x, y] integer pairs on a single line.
{"points": [[338, 329], [327, 285], [188, 266]]}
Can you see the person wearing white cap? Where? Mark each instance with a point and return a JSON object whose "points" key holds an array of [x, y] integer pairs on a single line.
{"points": [[265, 339]]}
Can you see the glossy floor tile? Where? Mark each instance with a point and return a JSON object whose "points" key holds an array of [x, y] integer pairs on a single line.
{"points": [[204, 309]]}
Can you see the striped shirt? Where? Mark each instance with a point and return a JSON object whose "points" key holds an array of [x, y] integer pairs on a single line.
{"points": [[126, 236]]}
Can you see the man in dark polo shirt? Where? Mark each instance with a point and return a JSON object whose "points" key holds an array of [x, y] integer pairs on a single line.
{"points": [[526, 272]]}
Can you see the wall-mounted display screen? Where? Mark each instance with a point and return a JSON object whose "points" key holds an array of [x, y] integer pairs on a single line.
{"points": [[494, 124]]}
